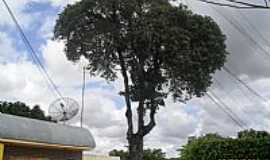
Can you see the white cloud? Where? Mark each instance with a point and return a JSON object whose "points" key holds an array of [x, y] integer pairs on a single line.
{"points": [[19, 8], [8, 52], [62, 2]]}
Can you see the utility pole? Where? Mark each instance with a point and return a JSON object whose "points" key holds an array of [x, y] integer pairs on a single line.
{"points": [[83, 95]]}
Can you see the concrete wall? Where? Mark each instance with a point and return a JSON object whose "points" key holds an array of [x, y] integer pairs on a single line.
{"points": [[23, 153]]}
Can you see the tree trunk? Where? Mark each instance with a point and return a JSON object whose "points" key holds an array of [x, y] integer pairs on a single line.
{"points": [[135, 147], [135, 141]]}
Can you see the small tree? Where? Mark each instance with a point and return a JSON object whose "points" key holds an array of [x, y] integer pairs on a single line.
{"points": [[161, 50]]}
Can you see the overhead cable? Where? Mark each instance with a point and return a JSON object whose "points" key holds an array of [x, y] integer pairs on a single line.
{"points": [[236, 4], [244, 84], [34, 55], [220, 106]]}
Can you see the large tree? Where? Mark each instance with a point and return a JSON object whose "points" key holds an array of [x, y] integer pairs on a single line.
{"points": [[160, 50]]}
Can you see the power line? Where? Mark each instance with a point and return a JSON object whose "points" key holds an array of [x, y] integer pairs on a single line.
{"points": [[228, 109], [220, 106], [219, 103], [234, 100], [233, 75], [240, 88], [34, 55], [244, 84], [243, 31], [249, 4], [254, 28], [224, 4], [237, 4], [222, 88]]}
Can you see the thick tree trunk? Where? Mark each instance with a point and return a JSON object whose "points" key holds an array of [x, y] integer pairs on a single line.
{"points": [[135, 141], [136, 147]]}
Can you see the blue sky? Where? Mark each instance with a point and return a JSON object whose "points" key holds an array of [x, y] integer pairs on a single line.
{"points": [[40, 12], [104, 115], [44, 12]]}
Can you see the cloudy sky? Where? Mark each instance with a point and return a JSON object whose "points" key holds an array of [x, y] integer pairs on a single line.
{"points": [[247, 40]]}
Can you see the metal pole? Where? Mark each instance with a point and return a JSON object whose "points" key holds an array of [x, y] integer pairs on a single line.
{"points": [[83, 93]]}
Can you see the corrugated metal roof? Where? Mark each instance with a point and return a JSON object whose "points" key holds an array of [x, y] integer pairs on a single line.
{"points": [[30, 130]]}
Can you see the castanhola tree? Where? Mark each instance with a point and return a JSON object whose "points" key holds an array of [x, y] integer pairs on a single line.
{"points": [[160, 50]]}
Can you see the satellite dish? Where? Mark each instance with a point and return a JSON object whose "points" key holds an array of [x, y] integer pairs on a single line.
{"points": [[63, 109]]}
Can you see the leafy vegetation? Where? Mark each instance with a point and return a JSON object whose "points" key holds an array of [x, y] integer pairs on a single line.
{"points": [[249, 144], [160, 50], [21, 109], [149, 154]]}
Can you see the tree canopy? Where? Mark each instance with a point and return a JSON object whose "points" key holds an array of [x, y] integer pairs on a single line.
{"points": [[169, 45], [21, 109], [160, 50], [249, 144]]}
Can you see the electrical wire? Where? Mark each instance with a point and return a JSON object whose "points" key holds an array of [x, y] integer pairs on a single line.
{"points": [[228, 109], [232, 98], [243, 31], [236, 4], [239, 87], [248, 4], [223, 106], [224, 4], [222, 88], [233, 75], [220, 106], [244, 84], [34, 55], [243, 16]]}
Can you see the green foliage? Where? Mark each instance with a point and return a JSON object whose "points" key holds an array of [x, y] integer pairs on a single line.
{"points": [[21, 109], [213, 147], [155, 154], [253, 134], [161, 50], [119, 153], [160, 45], [149, 154]]}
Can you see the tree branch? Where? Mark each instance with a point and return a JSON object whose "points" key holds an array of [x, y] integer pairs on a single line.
{"points": [[152, 122], [127, 95]]}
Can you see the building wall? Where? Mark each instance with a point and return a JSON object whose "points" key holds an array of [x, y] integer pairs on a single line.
{"points": [[23, 153]]}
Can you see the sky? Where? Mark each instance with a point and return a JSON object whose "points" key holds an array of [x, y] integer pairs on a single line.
{"points": [[247, 41]]}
